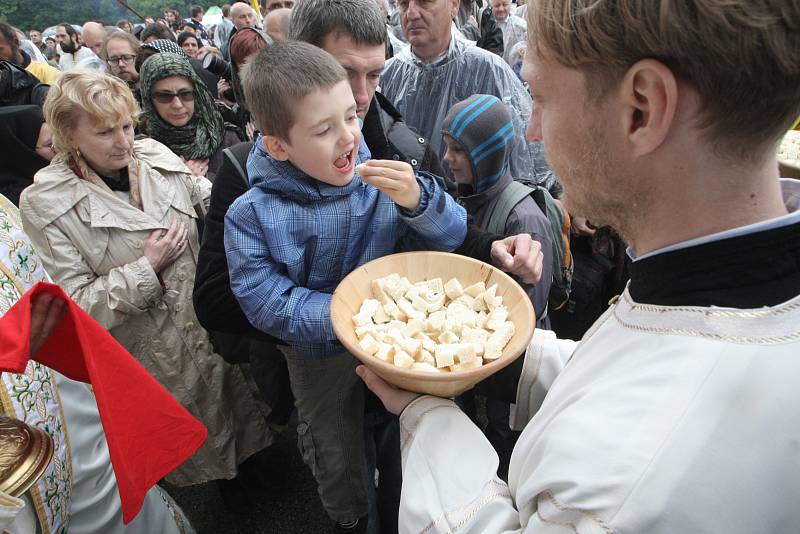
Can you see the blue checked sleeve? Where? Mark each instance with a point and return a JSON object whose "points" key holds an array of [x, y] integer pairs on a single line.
{"points": [[439, 223], [272, 302]]}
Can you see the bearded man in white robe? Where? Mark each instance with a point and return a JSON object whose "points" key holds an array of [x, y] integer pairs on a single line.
{"points": [[678, 411]]}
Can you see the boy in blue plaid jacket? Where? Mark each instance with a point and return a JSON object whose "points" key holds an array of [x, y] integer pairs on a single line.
{"points": [[306, 222]]}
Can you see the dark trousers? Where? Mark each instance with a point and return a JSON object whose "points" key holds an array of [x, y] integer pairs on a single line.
{"points": [[382, 450]]}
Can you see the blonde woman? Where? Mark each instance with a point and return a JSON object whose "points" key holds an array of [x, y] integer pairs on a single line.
{"points": [[114, 222]]}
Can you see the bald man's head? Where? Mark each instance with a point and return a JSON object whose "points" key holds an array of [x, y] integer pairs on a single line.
{"points": [[243, 16], [276, 23], [93, 35]]}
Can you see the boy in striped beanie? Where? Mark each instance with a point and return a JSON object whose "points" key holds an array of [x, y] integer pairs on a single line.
{"points": [[479, 134]]}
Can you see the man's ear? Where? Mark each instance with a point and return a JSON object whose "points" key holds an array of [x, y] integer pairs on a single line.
{"points": [[650, 99], [454, 6], [275, 147]]}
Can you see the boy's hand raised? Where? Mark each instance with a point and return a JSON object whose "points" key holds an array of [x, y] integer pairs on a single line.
{"points": [[395, 178]]}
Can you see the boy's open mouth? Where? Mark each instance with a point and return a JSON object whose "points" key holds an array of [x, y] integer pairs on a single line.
{"points": [[344, 163]]}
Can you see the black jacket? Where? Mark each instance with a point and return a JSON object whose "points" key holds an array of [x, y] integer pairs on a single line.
{"points": [[488, 36], [19, 87], [214, 303], [491, 38], [19, 131], [389, 137]]}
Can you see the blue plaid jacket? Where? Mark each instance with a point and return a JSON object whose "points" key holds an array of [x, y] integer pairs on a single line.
{"points": [[290, 240]]}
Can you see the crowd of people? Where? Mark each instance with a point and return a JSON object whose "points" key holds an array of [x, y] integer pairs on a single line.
{"points": [[201, 191]]}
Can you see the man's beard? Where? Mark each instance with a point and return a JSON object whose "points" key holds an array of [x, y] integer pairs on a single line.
{"points": [[69, 48], [595, 188], [130, 77]]}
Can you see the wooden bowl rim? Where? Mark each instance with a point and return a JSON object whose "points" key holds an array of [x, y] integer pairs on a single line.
{"points": [[427, 376]]}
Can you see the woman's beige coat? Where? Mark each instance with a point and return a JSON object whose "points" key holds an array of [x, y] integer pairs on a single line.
{"points": [[92, 241]]}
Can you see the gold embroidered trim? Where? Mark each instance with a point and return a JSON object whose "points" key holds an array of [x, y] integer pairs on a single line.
{"points": [[570, 526], [410, 431], [562, 508], [38, 503], [789, 307], [12, 278], [34, 491], [36, 380], [11, 209], [742, 340], [476, 507], [65, 433], [623, 317]]}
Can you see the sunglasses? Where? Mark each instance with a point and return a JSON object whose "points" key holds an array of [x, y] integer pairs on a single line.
{"points": [[187, 95]]}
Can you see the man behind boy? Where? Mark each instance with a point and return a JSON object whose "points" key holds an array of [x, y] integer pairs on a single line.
{"points": [[306, 222]]}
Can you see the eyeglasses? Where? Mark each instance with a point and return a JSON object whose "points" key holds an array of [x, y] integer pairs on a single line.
{"points": [[127, 58], [187, 95]]}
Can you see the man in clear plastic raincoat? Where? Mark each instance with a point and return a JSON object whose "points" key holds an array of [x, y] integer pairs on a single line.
{"points": [[438, 70]]}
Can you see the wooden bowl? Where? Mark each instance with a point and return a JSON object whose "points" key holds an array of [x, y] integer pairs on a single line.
{"points": [[418, 266]]}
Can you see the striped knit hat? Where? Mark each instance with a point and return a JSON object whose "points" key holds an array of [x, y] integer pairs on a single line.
{"points": [[482, 125]]}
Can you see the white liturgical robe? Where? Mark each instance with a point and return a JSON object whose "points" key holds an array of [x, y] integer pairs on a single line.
{"points": [[662, 420]]}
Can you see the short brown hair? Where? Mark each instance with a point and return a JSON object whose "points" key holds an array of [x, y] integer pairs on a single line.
{"points": [[104, 98], [277, 77], [741, 56], [122, 36]]}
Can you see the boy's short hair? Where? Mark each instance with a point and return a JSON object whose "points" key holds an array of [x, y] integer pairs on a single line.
{"points": [[277, 77], [741, 56]]}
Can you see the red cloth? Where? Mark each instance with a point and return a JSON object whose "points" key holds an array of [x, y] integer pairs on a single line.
{"points": [[148, 432]]}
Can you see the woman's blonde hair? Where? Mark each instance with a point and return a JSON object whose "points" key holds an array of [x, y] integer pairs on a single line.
{"points": [[106, 100], [741, 56]]}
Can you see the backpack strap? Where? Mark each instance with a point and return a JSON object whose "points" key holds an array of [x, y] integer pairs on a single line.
{"points": [[237, 155], [509, 198], [560, 222]]}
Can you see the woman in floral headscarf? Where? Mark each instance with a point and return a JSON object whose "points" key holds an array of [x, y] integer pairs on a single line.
{"points": [[179, 111]]}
